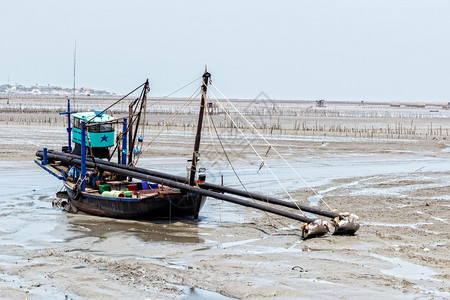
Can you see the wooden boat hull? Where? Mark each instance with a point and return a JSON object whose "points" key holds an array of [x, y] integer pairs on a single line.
{"points": [[175, 206]]}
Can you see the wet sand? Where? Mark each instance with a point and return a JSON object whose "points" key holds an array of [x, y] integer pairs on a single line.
{"points": [[400, 188]]}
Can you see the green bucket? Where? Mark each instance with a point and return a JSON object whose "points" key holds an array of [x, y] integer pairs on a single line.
{"points": [[128, 194], [103, 188]]}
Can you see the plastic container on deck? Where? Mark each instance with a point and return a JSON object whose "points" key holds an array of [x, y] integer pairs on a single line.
{"points": [[103, 188], [113, 194], [144, 185], [154, 186], [128, 194], [99, 183], [132, 187]]}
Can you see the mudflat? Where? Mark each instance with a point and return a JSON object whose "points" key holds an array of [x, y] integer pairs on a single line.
{"points": [[397, 182]]}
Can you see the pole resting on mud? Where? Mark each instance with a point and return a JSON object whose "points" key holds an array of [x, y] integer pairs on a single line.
{"points": [[268, 199], [221, 189], [117, 168]]}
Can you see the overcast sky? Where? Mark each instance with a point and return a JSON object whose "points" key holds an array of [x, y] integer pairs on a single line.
{"points": [[393, 50]]}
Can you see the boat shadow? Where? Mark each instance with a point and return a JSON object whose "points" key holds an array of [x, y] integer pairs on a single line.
{"points": [[175, 231]]}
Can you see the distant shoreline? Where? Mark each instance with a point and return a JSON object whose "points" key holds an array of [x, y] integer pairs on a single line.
{"points": [[313, 102]]}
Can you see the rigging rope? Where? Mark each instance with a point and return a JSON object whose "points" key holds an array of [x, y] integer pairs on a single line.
{"points": [[232, 167], [176, 91], [99, 114], [186, 104], [262, 160], [284, 160], [145, 108], [186, 85], [209, 118]]}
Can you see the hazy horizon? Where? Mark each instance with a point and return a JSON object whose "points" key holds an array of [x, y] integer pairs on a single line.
{"points": [[333, 50]]}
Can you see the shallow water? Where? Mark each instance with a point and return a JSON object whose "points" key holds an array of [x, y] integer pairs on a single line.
{"points": [[318, 172], [29, 219], [29, 222]]}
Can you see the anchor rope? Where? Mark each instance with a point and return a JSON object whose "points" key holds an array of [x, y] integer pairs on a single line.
{"points": [[250, 144], [276, 151]]}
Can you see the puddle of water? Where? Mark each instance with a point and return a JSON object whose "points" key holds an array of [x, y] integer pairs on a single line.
{"points": [[440, 219], [410, 225], [274, 250], [403, 205], [439, 243], [192, 293], [314, 200], [238, 243], [443, 197], [406, 270]]}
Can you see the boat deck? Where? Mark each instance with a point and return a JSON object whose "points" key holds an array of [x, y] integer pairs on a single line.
{"points": [[60, 171]]}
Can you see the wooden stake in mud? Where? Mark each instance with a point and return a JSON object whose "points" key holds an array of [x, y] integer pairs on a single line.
{"points": [[206, 77]]}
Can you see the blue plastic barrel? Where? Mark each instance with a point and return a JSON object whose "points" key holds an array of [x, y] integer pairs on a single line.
{"points": [[145, 185]]}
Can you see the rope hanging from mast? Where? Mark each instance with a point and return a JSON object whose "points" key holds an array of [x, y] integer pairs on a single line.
{"points": [[135, 117], [171, 120], [232, 167], [263, 161]]}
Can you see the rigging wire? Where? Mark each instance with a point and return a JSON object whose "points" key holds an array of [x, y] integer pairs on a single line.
{"points": [[248, 142], [145, 108], [232, 167], [287, 163], [165, 97], [185, 86], [209, 119], [99, 114], [178, 113]]}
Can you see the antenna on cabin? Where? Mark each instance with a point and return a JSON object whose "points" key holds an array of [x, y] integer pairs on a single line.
{"points": [[74, 68]]}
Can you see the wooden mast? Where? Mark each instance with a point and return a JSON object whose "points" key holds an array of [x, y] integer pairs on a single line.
{"points": [[206, 77], [134, 120]]}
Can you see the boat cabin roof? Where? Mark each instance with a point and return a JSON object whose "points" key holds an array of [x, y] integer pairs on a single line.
{"points": [[87, 116]]}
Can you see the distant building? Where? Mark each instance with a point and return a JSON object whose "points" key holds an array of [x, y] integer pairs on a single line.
{"points": [[320, 103], [416, 104], [212, 108]]}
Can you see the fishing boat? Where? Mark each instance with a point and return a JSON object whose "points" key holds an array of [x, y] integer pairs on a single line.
{"points": [[91, 189], [95, 185]]}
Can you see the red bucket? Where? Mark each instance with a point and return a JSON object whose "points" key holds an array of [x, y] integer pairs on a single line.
{"points": [[132, 187]]}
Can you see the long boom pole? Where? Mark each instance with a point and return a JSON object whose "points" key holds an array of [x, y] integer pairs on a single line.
{"points": [[214, 187], [182, 186]]}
